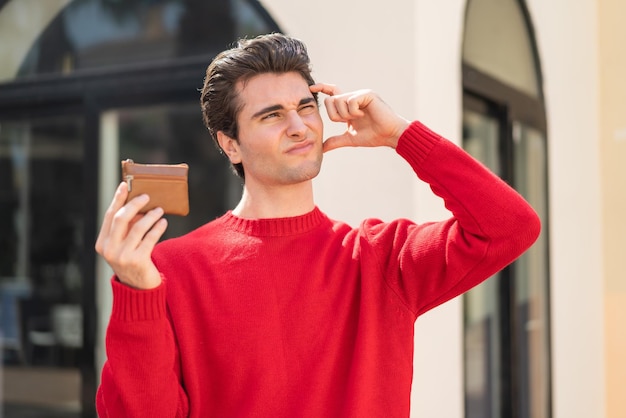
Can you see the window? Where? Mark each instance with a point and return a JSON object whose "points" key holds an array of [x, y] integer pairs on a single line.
{"points": [[83, 84], [66, 37], [506, 319]]}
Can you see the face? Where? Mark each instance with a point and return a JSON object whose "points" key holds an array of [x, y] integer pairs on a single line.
{"points": [[280, 131]]}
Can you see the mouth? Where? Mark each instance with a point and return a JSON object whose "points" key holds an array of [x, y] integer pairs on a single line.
{"points": [[301, 147]]}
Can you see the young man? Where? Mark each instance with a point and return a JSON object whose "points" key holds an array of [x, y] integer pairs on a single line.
{"points": [[273, 309]]}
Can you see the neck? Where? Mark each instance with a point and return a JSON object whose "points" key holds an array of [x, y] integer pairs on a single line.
{"points": [[275, 202]]}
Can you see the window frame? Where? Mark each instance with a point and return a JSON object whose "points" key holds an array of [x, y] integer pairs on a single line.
{"points": [[487, 95]]}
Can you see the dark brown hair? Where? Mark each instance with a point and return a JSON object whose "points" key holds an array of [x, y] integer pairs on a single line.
{"points": [[271, 53]]}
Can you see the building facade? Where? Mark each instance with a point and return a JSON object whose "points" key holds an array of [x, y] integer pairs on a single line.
{"points": [[534, 89]]}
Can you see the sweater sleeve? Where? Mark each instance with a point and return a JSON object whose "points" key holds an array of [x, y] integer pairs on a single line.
{"points": [[491, 225], [141, 377]]}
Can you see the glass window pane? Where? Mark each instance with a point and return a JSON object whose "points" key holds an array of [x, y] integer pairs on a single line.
{"points": [[174, 134], [531, 283], [21, 23], [63, 36], [482, 348], [481, 139], [481, 305], [497, 42], [41, 246]]}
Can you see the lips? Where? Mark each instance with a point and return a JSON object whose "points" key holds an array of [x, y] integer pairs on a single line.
{"points": [[301, 147]]}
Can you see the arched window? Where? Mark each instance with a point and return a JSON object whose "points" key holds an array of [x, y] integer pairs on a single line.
{"points": [[66, 37], [83, 85], [506, 319]]}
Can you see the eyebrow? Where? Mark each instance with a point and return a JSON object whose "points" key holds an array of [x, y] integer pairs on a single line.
{"points": [[274, 108]]}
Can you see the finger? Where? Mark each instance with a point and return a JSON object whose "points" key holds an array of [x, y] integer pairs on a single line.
{"points": [[331, 110], [351, 105], [133, 221], [131, 243], [144, 234], [348, 106], [337, 109], [338, 141], [122, 219], [118, 201], [328, 89], [334, 110], [152, 237], [142, 226], [355, 105]]}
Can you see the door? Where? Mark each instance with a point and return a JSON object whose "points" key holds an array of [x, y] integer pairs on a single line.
{"points": [[41, 250]]}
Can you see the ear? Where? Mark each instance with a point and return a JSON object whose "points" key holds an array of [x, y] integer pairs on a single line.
{"points": [[230, 146]]}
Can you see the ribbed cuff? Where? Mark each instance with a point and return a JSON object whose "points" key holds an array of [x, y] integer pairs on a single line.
{"points": [[416, 142], [130, 304]]}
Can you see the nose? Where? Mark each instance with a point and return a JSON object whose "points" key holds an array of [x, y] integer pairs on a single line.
{"points": [[296, 127]]}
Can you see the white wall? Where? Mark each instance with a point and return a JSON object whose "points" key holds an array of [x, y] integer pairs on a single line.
{"points": [[409, 51], [567, 37], [438, 378]]}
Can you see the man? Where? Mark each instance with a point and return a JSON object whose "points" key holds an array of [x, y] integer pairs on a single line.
{"points": [[273, 309]]}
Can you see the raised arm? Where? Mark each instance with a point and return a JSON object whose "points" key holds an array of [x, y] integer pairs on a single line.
{"points": [[141, 377], [491, 225]]}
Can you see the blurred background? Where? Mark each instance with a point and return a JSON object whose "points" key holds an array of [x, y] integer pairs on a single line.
{"points": [[533, 89]]}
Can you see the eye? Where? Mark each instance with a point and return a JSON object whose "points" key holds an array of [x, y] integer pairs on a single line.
{"points": [[310, 108], [270, 115]]}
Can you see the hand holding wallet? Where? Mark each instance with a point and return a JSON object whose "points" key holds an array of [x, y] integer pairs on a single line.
{"points": [[166, 184]]}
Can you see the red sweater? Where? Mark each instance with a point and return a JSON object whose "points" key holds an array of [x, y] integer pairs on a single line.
{"points": [[306, 316]]}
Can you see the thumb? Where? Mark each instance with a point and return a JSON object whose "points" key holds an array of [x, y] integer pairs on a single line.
{"points": [[337, 141]]}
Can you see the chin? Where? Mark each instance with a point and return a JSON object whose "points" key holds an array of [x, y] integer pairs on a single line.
{"points": [[309, 175], [309, 172], [315, 168]]}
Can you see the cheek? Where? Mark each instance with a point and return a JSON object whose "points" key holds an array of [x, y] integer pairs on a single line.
{"points": [[257, 149], [315, 122]]}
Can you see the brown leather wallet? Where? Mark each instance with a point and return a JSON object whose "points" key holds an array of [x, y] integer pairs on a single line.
{"points": [[166, 184]]}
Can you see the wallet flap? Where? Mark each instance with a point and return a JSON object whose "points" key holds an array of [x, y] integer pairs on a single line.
{"points": [[129, 167]]}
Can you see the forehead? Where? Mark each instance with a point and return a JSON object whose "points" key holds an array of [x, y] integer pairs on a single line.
{"points": [[271, 89]]}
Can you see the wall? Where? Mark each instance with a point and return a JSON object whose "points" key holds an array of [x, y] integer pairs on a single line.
{"points": [[567, 38], [612, 113]]}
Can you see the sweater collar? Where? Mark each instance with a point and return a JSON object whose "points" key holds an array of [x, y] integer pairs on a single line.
{"points": [[275, 226]]}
